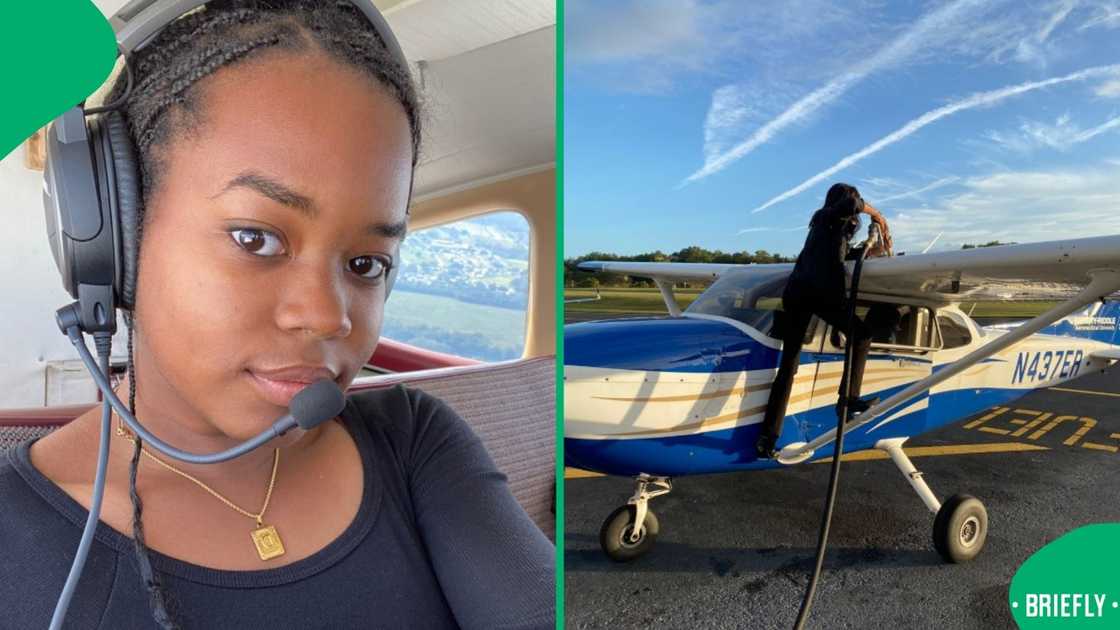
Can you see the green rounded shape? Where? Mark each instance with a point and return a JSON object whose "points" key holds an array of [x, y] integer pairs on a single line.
{"points": [[55, 55], [1073, 582]]}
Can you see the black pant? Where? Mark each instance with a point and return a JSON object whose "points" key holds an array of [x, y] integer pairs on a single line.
{"points": [[798, 313]]}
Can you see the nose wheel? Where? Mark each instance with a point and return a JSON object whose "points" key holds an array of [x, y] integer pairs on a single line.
{"points": [[630, 530], [621, 540]]}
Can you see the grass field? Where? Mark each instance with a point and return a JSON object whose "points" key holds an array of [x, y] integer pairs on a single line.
{"points": [[627, 300], [419, 318]]}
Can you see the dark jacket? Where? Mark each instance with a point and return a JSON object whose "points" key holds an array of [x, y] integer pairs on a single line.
{"points": [[818, 278]]}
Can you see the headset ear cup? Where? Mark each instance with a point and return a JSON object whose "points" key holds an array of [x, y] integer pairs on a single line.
{"points": [[129, 200]]}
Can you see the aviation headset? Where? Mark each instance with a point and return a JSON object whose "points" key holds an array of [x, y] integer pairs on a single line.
{"points": [[91, 181]]}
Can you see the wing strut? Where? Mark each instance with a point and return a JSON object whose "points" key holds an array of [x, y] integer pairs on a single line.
{"points": [[666, 287], [1104, 282]]}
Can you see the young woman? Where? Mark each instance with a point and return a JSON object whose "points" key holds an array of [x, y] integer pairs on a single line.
{"points": [[817, 287], [277, 142]]}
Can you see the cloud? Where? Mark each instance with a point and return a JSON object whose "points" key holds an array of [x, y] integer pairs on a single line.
{"points": [[883, 182], [652, 45], [980, 99], [1105, 15], [1020, 206], [735, 108], [929, 27], [1034, 48], [1060, 136], [653, 28], [636, 45], [1109, 89]]}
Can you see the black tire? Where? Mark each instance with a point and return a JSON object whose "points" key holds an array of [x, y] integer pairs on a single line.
{"points": [[960, 528], [614, 536]]}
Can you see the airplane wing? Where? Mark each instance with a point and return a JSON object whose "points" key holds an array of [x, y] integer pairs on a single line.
{"points": [[1051, 270], [673, 272]]}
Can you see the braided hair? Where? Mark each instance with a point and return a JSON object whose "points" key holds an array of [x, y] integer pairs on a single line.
{"points": [[163, 104]]}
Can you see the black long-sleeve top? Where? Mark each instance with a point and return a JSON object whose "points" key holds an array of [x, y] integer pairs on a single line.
{"points": [[438, 542], [819, 277]]}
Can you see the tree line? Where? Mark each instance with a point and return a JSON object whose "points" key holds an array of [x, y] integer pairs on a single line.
{"points": [[988, 244]]}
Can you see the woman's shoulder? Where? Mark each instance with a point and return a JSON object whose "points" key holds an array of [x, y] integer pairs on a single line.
{"points": [[398, 398], [419, 427], [14, 488], [410, 418], [399, 408], [28, 521]]}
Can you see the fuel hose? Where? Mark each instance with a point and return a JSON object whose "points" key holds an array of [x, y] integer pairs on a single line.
{"points": [[842, 412]]}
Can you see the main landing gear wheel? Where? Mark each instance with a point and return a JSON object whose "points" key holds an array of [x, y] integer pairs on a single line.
{"points": [[618, 538], [960, 528]]}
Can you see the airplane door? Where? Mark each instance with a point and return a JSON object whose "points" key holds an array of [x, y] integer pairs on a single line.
{"points": [[811, 377], [902, 348]]}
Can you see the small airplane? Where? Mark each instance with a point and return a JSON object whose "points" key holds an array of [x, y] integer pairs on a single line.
{"points": [[658, 397]]}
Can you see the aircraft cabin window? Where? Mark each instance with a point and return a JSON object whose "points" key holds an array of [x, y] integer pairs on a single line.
{"points": [[746, 298], [954, 334], [463, 288], [898, 325]]}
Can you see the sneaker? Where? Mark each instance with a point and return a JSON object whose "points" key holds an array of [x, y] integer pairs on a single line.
{"points": [[765, 447], [857, 407]]}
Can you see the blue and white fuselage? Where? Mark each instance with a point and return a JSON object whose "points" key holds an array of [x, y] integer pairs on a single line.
{"points": [[661, 397], [686, 395]]}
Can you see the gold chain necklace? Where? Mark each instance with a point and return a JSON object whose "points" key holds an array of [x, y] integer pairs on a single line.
{"points": [[265, 538]]}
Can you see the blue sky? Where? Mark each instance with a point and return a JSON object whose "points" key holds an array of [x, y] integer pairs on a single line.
{"points": [[722, 123]]}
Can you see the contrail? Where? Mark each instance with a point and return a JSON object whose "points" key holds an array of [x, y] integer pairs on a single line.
{"points": [[1056, 19], [769, 229], [1096, 131], [976, 100], [899, 49], [937, 184]]}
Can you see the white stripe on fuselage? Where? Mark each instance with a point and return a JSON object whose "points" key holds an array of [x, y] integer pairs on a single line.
{"points": [[603, 403]]}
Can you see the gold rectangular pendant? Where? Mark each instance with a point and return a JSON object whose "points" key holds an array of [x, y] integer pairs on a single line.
{"points": [[267, 541]]}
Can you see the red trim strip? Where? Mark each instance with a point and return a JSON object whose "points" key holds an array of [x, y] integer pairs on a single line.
{"points": [[396, 356]]}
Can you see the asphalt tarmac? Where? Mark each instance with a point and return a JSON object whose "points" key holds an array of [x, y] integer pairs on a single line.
{"points": [[735, 550]]}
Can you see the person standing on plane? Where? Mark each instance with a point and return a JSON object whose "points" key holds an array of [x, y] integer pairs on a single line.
{"points": [[817, 287]]}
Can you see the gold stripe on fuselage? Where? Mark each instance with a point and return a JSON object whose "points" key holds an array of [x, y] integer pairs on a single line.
{"points": [[750, 389], [729, 420]]}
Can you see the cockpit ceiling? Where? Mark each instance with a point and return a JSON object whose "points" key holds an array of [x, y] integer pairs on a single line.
{"points": [[487, 71], [490, 112], [431, 30]]}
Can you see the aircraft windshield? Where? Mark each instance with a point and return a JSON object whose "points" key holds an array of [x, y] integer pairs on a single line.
{"points": [[746, 297]]}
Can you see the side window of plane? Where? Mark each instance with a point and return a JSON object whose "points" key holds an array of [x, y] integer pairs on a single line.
{"points": [[811, 332], [900, 326], [463, 288], [952, 333], [886, 320]]}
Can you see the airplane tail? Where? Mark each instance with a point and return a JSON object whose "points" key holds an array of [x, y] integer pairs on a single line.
{"points": [[1099, 321]]}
